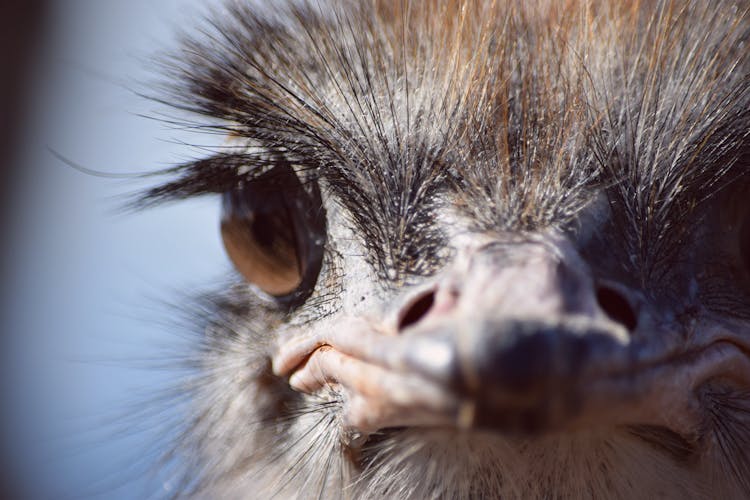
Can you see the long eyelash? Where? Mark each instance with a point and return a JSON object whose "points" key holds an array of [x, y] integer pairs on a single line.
{"points": [[215, 175]]}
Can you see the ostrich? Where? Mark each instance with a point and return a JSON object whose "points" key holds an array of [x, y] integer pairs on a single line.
{"points": [[483, 249]]}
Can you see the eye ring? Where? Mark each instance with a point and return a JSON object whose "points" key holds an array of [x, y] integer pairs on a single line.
{"points": [[273, 230]]}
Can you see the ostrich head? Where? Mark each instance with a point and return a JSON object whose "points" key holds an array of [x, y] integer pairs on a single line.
{"points": [[483, 249]]}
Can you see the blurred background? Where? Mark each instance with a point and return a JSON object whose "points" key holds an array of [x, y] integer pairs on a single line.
{"points": [[84, 285]]}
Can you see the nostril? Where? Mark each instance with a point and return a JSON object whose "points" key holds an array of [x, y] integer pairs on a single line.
{"points": [[416, 310], [616, 306]]}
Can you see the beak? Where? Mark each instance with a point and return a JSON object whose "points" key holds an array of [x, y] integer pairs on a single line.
{"points": [[516, 337], [525, 333]]}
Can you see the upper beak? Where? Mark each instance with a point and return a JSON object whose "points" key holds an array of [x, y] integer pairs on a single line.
{"points": [[511, 338]]}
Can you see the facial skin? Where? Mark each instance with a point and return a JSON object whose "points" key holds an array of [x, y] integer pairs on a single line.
{"points": [[484, 250]]}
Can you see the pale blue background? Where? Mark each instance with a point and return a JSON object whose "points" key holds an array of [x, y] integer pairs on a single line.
{"points": [[84, 300]]}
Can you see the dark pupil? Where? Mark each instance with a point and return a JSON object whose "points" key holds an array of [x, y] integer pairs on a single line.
{"points": [[273, 230]]}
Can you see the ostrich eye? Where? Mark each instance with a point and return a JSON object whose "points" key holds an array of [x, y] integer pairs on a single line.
{"points": [[273, 228]]}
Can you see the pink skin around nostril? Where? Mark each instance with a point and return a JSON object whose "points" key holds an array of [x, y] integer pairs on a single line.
{"points": [[434, 303], [446, 300]]}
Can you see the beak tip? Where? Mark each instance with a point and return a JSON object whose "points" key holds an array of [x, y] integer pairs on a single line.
{"points": [[525, 367], [466, 417]]}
